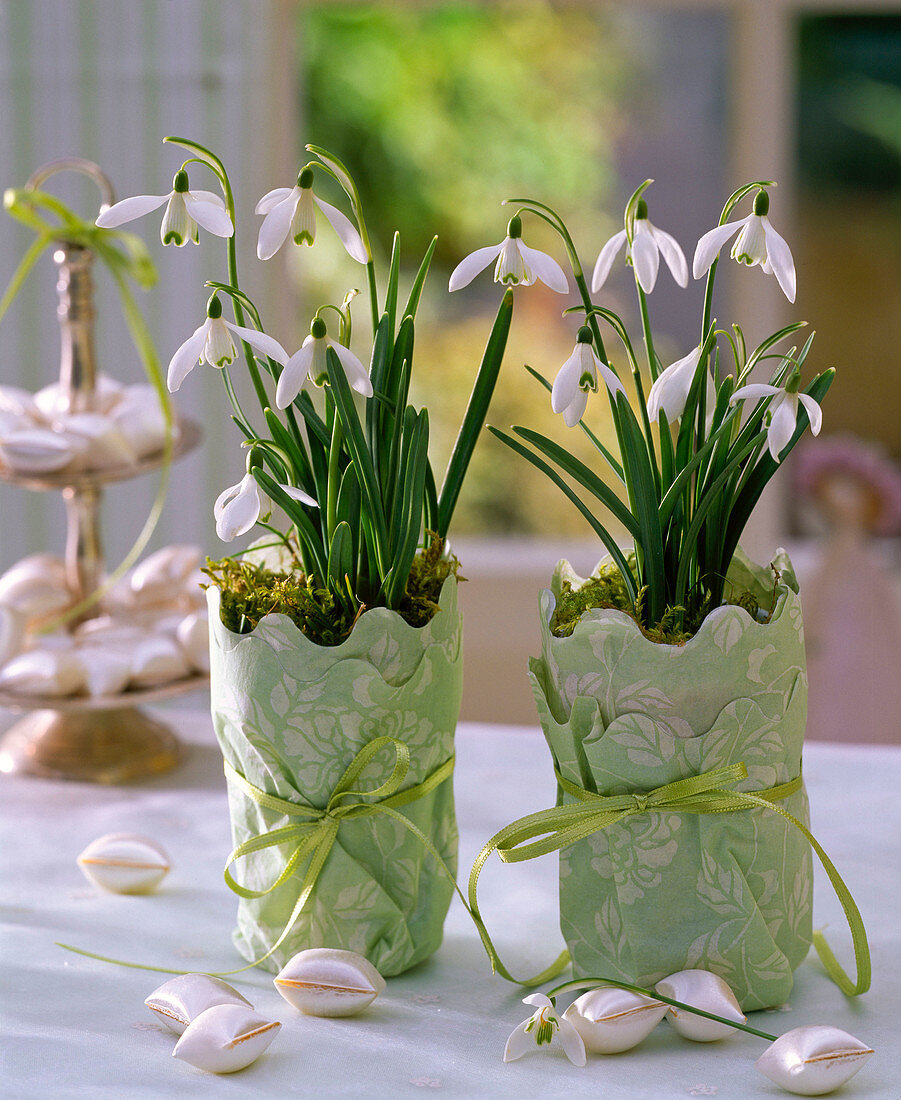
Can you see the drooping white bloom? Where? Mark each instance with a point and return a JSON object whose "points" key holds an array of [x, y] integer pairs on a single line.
{"points": [[669, 392], [212, 343], [757, 243], [185, 210], [814, 1060], [542, 1028], [293, 209], [516, 263], [238, 507], [648, 244], [577, 377], [783, 410], [310, 361]]}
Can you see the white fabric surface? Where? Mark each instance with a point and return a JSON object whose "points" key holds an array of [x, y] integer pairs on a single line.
{"points": [[73, 1027]]}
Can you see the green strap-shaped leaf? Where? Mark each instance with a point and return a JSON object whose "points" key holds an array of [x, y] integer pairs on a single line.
{"points": [[340, 558], [583, 475], [598, 528], [419, 282], [476, 411], [393, 277], [411, 505], [308, 535]]}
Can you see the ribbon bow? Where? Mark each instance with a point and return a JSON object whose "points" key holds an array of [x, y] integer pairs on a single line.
{"points": [[560, 826], [314, 835]]}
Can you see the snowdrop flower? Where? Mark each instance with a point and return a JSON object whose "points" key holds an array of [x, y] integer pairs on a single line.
{"points": [[578, 376], [310, 361], [670, 391], [648, 244], [516, 263], [542, 1027], [292, 209], [813, 1060], [783, 410], [185, 210], [757, 243], [238, 507], [212, 343]]}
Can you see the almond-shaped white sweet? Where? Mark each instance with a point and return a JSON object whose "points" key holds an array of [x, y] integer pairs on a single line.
{"points": [[12, 632], [105, 443], [611, 1020], [157, 661], [140, 417], [20, 403], [107, 669], [53, 400], [124, 863], [39, 450], [325, 981], [50, 672], [193, 635], [225, 1038], [182, 999], [156, 578], [706, 991], [814, 1060]]}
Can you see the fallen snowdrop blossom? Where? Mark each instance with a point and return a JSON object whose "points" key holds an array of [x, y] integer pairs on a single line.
{"points": [[541, 1029]]}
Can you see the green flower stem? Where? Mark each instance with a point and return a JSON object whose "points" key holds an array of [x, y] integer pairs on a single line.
{"points": [[648, 334], [373, 296], [590, 983]]}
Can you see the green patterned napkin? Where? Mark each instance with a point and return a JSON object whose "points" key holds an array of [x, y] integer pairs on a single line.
{"points": [[290, 717], [661, 892]]}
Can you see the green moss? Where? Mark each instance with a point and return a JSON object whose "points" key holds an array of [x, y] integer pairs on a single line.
{"points": [[609, 590], [249, 592]]}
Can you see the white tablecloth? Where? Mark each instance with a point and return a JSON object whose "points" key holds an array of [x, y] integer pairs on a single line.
{"points": [[73, 1027]]}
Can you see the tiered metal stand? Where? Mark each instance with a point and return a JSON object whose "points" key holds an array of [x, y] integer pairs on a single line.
{"points": [[103, 739]]}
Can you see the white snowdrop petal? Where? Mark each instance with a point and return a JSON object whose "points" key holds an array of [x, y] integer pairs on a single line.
{"points": [[124, 863], [225, 1038], [704, 990], [325, 981], [182, 999], [814, 1060], [611, 1020]]}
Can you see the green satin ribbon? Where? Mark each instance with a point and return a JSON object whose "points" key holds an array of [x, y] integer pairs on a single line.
{"points": [[314, 835], [563, 825]]}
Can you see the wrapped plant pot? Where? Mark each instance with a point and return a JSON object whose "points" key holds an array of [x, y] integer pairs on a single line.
{"points": [[661, 890], [291, 718]]}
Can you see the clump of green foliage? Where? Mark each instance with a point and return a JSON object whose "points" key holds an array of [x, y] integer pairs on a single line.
{"points": [[250, 592], [608, 589]]}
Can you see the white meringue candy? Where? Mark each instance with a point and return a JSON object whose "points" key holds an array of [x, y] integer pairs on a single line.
{"points": [[225, 1038], [814, 1060], [12, 422], [50, 672], [34, 592], [107, 670], [704, 990], [326, 981], [124, 863], [40, 450], [156, 578], [181, 1000], [108, 630], [53, 400], [42, 566], [157, 661], [105, 445], [193, 635], [140, 417], [611, 1020], [12, 632]]}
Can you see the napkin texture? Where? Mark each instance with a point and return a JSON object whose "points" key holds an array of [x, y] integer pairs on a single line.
{"points": [[290, 716], [661, 891]]}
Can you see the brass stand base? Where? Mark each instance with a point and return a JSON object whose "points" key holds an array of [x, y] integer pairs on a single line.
{"points": [[94, 746]]}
